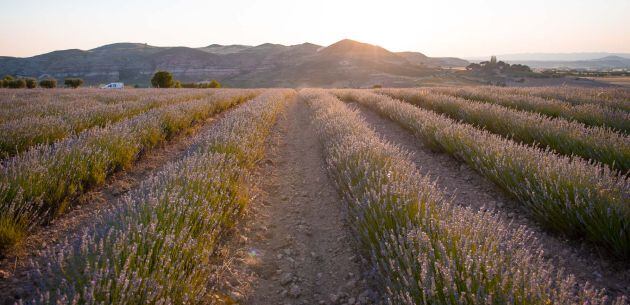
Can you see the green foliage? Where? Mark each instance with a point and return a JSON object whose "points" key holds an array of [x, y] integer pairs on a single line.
{"points": [[9, 81], [177, 84], [30, 82], [73, 82], [214, 84], [17, 83], [211, 84], [493, 66], [162, 79], [48, 83]]}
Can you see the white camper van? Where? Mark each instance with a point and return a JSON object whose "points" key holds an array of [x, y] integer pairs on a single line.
{"points": [[114, 86]]}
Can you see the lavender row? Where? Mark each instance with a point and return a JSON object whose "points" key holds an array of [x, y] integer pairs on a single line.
{"points": [[618, 98], [589, 114], [39, 184], [17, 104], [156, 248], [424, 249], [566, 137], [26, 132], [568, 195]]}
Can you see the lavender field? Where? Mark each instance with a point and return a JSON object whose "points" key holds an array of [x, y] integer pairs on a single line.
{"points": [[433, 195]]}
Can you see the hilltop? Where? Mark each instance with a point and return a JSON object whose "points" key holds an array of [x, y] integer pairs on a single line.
{"points": [[344, 63]]}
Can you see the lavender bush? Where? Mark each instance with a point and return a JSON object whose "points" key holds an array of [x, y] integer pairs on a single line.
{"points": [[27, 131], [425, 249], [156, 247], [39, 184], [611, 97], [566, 137], [589, 114], [568, 195]]}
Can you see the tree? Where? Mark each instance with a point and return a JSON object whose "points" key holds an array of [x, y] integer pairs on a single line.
{"points": [[73, 82], [177, 84], [473, 66], [6, 80], [214, 84], [190, 85], [17, 83], [30, 82], [48, 83], [520, 68], [211, 84], [162, 79]]}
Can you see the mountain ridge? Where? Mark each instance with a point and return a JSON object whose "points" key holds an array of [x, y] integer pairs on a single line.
{"points": [[344, 63]]}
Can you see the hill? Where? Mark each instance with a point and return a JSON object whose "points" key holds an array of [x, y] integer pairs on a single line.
{"points": [[345, 63]]}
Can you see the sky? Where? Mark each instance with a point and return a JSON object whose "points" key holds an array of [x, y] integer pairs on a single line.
{"points": [[437, 28]]}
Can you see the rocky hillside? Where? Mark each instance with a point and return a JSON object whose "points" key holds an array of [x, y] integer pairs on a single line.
{"points": [[345, 63]]}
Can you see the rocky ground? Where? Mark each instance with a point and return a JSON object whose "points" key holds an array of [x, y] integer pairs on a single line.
{"points": [[294, 246]]}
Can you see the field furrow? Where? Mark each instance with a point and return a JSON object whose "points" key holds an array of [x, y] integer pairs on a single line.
{"points": [[38, 103], [568, 195], [296, 243], [38, 185], [589, 114], [22, 134], [466, 188], [156, 246], [618, 98], [427, 250], [89, 206], [432, 195], [565, 137]]}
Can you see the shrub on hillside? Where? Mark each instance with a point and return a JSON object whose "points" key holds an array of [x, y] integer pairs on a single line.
{"points": [[73, 82], [162, 79], [48, 83]]}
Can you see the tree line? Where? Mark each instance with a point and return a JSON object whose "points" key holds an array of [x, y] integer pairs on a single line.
{"points": [[493, 66], [164, 79], [30, 83], [161, 79]]}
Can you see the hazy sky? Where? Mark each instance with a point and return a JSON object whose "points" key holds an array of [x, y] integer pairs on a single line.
{"points": [[438, 28]]}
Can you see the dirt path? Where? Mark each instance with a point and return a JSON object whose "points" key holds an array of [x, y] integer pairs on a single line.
{"points": [[14, 267], [296, 246], [470, 189]]}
